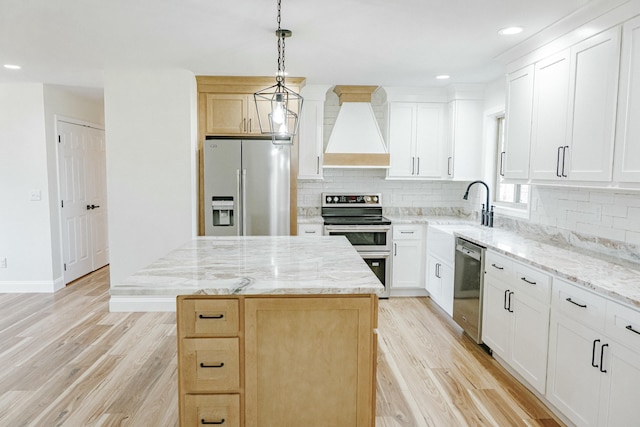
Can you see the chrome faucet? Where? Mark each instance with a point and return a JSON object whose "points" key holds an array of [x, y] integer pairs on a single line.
{"points": [[487, 213]]}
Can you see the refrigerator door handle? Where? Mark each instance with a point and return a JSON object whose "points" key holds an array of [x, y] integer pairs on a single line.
{"points": [[244, 202], [237, 204]]}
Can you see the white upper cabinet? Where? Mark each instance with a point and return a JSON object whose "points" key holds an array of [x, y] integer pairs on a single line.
{"points": [[415, 139], [550, 109], [627, 151], [594, 89], [310, 141], [463, 154], [518, 123]]}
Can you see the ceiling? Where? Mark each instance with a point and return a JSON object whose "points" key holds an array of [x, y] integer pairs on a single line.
{"points": [[377, 42]]}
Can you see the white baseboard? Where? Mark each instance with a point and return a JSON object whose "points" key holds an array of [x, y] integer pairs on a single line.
{"points": [[31, 287], [141, 303]]}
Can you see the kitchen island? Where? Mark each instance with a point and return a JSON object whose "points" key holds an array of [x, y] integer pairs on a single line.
{"points": [[272, 331]]}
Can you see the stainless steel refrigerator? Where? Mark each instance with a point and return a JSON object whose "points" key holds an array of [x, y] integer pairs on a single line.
{"points": [[246, 187]]}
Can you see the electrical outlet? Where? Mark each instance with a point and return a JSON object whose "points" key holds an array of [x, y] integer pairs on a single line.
{"points": [[3, 262], [35, 195]]}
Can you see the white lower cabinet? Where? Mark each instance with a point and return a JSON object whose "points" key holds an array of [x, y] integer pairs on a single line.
{"points": [[593, 378], [440, 260], [408, 257], [310, 229], [515, 320]]}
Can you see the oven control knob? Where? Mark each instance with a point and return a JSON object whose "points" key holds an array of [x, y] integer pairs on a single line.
{"points": [[375, 199], [367, 199], [328, 199], [335, 199]]}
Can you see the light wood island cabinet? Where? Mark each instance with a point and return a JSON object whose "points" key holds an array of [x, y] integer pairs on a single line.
{"points": [[277, 360]]}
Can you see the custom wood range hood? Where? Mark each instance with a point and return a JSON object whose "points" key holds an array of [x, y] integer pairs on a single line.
{"points": [[356, 140]]}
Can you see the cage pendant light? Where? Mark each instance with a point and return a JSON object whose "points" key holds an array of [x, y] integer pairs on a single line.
{"points": [[279, 107]]}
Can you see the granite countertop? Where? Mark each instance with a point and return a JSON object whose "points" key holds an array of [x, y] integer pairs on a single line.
{"points": [[618, 280], [255, 265]]}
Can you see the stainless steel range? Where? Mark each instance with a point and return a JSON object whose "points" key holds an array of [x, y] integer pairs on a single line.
{"points": [[359, 218]]}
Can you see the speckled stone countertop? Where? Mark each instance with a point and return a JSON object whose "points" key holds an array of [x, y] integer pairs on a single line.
{"points": [[255, 265], [619, 281]]}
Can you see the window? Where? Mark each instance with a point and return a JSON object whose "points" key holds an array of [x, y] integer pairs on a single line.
{"points": [[515, 196]]}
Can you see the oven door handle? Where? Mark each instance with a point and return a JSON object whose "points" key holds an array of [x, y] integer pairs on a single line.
{"points": [[366, 255], [356, 228]]}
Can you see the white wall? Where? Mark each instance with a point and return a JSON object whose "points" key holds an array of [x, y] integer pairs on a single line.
{"points": [[151, 128], [30, 230], [25, 234]]}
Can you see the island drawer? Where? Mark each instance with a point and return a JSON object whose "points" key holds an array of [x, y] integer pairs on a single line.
{"points": [[207, 317], [210, 365], [533, 282], [211, 409], [623, 324]]}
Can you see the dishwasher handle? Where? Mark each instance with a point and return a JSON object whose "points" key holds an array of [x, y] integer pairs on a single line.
{"points": [[469, 252]]}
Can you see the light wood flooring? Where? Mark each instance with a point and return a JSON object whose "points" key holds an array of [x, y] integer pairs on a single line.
{"points": [[66, 361]]}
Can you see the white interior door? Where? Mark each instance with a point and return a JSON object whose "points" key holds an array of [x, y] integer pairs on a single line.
{"points": [[83, 208]]}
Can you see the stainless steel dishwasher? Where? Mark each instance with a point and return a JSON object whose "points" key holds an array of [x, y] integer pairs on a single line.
{"points": [[467, 288]]}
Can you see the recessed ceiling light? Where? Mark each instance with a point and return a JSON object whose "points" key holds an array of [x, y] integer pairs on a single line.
{"points": [[509, 31], [12, 66], [443, 77]]}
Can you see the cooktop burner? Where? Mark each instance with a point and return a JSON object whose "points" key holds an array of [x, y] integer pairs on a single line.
{"points": [[353, 209]]}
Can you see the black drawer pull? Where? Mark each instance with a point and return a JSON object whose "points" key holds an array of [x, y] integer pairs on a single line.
{"points": [[202, 421], [217, 316], [219, 365], [496, 266], [528, 281], [630, 327], [575, 303]]}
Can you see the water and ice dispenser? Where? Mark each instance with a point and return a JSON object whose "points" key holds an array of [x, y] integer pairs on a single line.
{"points": [[222, 209]]}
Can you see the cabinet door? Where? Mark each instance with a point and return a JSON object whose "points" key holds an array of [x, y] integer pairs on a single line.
{"points": [[226, 114], [530, 339], [310, 142], [594, 82], [407, 264], [434, 283], [446, 287], [619, 393], [402, 117], [518, 123], [466, 140], [310, 361], [550, 111], [429, 140], [627, 145], [573, 383], [496, 319]]}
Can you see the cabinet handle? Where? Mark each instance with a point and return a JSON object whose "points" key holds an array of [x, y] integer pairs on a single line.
{"points": [[438, 270], [593, 354], [558, 163], [202, 421], [524, 279], [219, 365], [564, 159], [250, 127], [413, 166], [497, 266], [502, 163], [630, 327], [317, 165], [575, 303], [509, 309], [505, 299], [395, 249], [418, 173], [604, 371], [449, 172], [244, 125], [217, 316], [309, 232], [406, 232]]}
